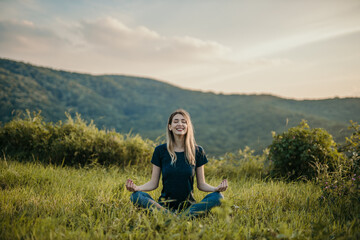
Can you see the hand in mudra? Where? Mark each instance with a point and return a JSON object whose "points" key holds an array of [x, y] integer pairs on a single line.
{"points": [[222, 187], [131, 186]]}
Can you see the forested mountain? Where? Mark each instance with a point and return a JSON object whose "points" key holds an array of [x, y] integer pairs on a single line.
{"points": [[223, 123]]}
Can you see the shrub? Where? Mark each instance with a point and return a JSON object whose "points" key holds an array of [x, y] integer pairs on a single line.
{"points": [[243, 164], [74, 142], [352, 148], [340, 190], [341, 187], [26, 137], [294, 153]]}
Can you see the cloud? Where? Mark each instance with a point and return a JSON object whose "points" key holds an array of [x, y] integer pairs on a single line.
{"points": [[108, 37], [296, 41], [111, 35], [26, 37]]}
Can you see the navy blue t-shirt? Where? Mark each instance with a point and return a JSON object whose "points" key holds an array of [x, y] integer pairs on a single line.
{"points": [[177, 179]]}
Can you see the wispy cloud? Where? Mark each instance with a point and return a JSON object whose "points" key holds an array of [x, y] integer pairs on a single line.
{"points": [[109, 34], [107, 45], [294, 41], [26, 37], [111, 38]]}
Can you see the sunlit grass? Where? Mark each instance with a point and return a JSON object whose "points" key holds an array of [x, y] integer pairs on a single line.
{"points": [[48, 202]]}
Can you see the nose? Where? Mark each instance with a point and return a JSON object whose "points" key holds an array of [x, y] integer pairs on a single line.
{"points": [[180, 124]]}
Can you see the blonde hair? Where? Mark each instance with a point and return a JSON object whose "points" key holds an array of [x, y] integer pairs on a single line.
{"points": [[189, 142]]}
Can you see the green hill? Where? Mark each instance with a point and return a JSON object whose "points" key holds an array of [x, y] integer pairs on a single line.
{"points": [[223, 123]]}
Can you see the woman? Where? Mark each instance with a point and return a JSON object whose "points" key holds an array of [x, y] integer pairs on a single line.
{"points": [[178, 161]]}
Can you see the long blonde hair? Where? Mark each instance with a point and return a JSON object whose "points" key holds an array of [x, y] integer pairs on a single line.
{"points": [[189, 143]]}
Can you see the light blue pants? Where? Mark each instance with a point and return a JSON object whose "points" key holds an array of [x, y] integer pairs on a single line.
{"points": [[144, 200]]}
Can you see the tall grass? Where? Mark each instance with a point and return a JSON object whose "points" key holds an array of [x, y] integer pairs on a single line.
{"points": [[54, 202], [66, 181]]}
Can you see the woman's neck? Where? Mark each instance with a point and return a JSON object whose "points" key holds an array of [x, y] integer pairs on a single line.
{"points": [[179, 144]]}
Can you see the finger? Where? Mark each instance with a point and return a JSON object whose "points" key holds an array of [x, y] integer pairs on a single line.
{"points": [[223, 186], [128, 182]]}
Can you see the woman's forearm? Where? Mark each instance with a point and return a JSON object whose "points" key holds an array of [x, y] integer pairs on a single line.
{"points": [[153, 183], [206, 187], [149, 186]]}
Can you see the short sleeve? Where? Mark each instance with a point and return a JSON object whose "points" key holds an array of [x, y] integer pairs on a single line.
{"points": [[156, 160], [200, 157]]}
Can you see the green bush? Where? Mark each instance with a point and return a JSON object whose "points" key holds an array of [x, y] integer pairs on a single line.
{"points": [[26, 137], [341, 187], [340, 190], [73, 143], [243, 164], [352, 148], [294, 153]]}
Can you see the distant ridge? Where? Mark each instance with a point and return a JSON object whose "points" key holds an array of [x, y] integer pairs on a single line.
{"points": [[223, 123]]}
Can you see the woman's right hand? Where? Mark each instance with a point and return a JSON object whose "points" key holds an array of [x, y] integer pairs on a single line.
{"points": [[131, 186]]}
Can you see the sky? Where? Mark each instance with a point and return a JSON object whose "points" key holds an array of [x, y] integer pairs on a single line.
{"points": [[294, 49]]}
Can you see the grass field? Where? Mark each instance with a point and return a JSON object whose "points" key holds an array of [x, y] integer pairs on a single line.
{"points": [[48, 202]]}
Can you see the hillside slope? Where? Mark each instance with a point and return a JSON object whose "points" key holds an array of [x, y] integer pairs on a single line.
{"points": [[223, 123]]}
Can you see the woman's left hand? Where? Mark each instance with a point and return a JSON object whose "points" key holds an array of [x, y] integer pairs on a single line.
{"points": [[222, 187]]}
